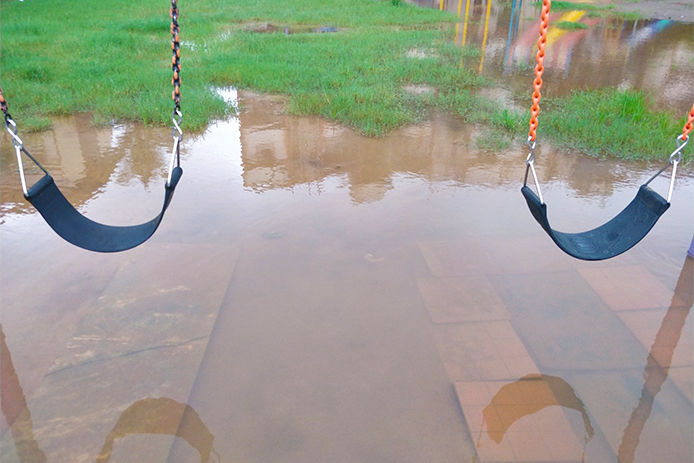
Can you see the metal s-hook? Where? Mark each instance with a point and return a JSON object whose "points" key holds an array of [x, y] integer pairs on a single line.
{"points": [[11, 127], [530, 166], [675, 159], [177, 135]]}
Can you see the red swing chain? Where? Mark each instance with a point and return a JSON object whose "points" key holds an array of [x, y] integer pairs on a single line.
{"points": [[539, 69], [686, 130], [3, 104]]}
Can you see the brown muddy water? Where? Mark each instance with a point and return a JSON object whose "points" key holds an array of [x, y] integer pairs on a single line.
{"points": [[316, 295]]}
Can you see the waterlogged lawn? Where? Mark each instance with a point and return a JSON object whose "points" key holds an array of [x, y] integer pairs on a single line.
{"points": [[613, 123], [112, 59]]}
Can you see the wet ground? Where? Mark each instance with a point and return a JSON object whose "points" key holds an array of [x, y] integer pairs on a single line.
{"points": [[654, 55], [316, 295]]}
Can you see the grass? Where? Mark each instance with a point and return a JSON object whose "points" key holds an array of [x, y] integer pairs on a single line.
{"points": [[112, 60], [557, 5], [614, 123], [593, 10], [570, 26]]}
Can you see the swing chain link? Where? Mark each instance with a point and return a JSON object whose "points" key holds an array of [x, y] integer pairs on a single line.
{"points": [[176, 115], [10, 124], [12, 129], [176, 56], [539, 68], [176, 131], [676, 156], [688, 125], [531, 155], [530, 168]]}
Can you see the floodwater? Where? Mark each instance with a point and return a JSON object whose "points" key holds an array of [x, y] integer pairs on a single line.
{"points": [[643, 54], [317, 295]]}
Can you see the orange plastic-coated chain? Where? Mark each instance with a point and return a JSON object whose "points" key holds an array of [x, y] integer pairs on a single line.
{"points": [[3, 103], [539, 68], [688, 125]]}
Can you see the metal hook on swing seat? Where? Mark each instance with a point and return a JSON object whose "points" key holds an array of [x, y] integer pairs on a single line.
{"points": [[675, 159], [176, 118], [676, 155], [11, 127], [177, 135], [530, 167]]}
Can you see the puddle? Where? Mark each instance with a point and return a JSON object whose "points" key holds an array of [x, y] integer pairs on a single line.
{"points": [[315, 294], [420, 53], [270, 28], [419, 89], [654, 55]]}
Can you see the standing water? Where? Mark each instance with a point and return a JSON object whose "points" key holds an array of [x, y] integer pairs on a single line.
{"points": [[317, 295], [585, 49]]}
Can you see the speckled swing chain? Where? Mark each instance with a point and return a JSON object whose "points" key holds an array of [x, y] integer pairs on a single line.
{"points": [[673, 160], [176, 116]]}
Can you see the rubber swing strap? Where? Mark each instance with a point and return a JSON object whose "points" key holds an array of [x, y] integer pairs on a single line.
{"points": [[77, 229], [618, 235]]}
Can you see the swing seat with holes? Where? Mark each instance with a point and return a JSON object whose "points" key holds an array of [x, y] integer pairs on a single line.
{"points": [[64, 219], [626, 229]]}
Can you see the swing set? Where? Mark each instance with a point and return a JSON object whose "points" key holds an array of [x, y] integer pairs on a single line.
{"points": [[63, 218], [616, 236], [627, 228]]}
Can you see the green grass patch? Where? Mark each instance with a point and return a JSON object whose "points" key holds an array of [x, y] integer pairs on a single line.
{"points": [[113, 59], [567, 6], [615, 123], [570, 26], [593, 11]]}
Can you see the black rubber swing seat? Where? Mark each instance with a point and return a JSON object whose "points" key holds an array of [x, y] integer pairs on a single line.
{"points": [[618, 235], [77, 229]]}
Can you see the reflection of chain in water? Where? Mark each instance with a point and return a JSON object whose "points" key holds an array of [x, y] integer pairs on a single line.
{"points": [[656, 370], [14, 409]]}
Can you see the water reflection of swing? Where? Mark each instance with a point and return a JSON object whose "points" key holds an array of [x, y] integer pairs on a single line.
{"points": [[655, 373], [537, 392], [162, 416]]}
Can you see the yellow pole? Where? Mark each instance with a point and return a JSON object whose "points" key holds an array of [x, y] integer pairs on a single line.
{"points": [[441, 5], [484, 36], [467, 11]]}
